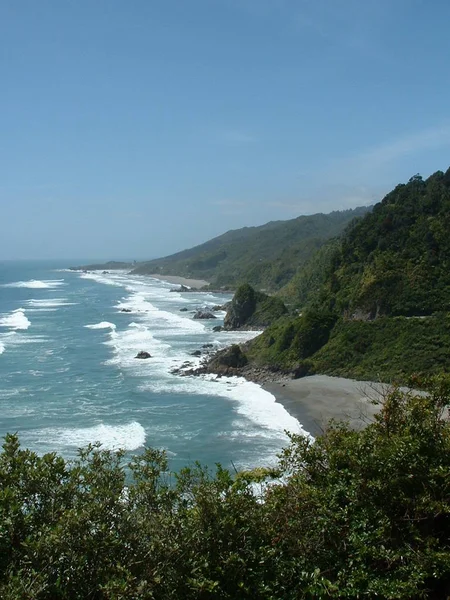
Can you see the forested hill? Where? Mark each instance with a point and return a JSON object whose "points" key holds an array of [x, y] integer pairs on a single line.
{"points": [[266, 257], [396, 260], [375, 303]]}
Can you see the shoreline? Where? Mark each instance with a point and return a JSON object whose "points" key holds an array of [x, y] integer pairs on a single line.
{"points": [[317, 399], [192, 283], [314, 400]]}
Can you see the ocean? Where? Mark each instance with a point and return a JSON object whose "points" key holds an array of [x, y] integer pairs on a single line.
{"points": [[69, 376]]}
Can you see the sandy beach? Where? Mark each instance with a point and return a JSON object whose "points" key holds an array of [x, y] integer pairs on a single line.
{"points": [[316, 399], [192, 283]]}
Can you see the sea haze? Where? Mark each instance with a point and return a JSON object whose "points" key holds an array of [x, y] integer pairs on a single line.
{"points": [[68, 375]]}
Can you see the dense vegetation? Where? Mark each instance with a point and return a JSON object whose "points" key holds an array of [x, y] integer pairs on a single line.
{"points": [[375, 302], [353, 515], [396, 260], [385, 349], [267, 257]]}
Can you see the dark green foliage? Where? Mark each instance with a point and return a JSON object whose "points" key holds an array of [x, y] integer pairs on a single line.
{"points": [[387, 349], [368, 514], [392, 263], [354, 515], [396, 260], [306, 285], [267, 257], [290, 340]]}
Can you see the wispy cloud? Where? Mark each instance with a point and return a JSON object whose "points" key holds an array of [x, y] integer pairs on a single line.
{"points": [[409, 143]]}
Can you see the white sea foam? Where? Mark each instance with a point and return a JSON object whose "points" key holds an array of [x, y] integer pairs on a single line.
{"points": [[164, 334], [15, 320], [160, 319], [48, 303], [127, 343], [255, 405], [101, 279], [130, 436], [2, 347], [261, 407], [102, 325], [36, 284]]}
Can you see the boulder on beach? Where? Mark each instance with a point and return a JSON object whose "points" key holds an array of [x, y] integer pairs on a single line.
{"points": [[143, 354], [204, 314]]}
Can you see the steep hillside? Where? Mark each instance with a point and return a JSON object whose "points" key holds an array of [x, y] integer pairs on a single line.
{"points": [[376, 302], [266, 257], [396, 261]]}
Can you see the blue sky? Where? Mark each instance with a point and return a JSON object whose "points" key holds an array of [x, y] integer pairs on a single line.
{"points": [[138, 128]]}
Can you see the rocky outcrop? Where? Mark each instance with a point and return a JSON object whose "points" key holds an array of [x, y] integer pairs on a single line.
{"points": [[182, 288], [241, 308], [143, 354], [227, 361], [127, 310], [204, 314], [252, 310]]}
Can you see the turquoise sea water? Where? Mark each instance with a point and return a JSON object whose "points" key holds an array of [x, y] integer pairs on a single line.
{"points": [[68, 375]]}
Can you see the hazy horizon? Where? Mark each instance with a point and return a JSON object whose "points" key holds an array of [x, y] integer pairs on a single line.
{"points": [[143, 129]]}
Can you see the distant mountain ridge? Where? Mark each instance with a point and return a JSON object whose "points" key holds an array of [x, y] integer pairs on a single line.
{"points": [[266, 257]]}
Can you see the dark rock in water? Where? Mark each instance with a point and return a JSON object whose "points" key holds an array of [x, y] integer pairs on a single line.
{"points": [[182, 288], [125, 310], [143, 354], [217, 328], [208, 346], [105, 272], [183, 309], [217, 307], [202, 314], [196, 353]]}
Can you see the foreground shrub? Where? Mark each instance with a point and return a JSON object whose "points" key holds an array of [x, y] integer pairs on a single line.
{"points": [[352, 515]]}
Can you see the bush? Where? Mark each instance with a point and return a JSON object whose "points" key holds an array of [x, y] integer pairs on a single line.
{"points": [[352, 515]]}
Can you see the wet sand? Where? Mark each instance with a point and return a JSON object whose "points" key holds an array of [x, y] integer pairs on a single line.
{"points": [[317, 399], [192, 283]]}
